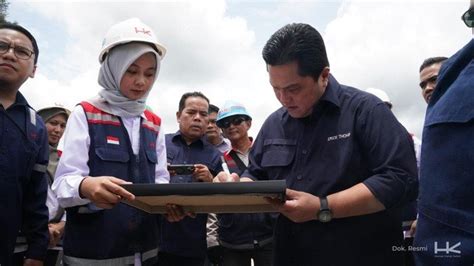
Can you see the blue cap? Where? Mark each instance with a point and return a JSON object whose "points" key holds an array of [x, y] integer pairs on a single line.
{"points": [[232, 108]]}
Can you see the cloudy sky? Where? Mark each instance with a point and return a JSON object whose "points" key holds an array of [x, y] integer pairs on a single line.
{"points": [[215, 47]]}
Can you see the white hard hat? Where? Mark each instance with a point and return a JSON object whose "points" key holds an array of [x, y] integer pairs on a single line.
{"points": [[130, 30], [382, 95]]}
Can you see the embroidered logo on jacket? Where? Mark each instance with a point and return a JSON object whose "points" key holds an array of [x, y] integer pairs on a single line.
{"points": [[113, 140], [339, 136]]}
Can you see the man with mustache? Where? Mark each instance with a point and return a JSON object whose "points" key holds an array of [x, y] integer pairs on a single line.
{"points": [[184, 242]]}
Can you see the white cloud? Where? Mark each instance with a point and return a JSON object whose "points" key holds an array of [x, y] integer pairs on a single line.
{"points": [[382, 45], [207, 51], [369, 43]]}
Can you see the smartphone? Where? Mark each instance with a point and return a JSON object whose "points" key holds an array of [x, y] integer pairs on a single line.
{"points": [[181, 169]]}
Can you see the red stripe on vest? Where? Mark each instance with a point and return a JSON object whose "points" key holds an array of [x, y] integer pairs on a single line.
{"points": [[89, 108], [150, 116], [229, 160]]}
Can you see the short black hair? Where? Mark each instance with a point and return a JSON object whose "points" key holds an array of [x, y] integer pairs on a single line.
{"points": [[185, 96], [431, 61], [17, 27], [213, 109], [297, 42]]}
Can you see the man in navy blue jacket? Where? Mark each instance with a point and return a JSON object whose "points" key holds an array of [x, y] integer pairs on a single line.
{"points": [[184, 242], [445, 226], [23, 153], [348, 163]]}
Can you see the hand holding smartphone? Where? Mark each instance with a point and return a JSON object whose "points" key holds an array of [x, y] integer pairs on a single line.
{"points": [[181, 169]]}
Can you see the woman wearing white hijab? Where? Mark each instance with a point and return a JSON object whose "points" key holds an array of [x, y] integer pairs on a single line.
{"points": [[110, 140]]}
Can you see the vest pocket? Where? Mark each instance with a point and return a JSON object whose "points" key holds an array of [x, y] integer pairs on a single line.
{"points": [[151, 156], [112, 155], [278, 152]]}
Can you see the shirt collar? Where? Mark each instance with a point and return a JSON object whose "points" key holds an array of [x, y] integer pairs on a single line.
{"points": [[177, 136], [330, 95], [251, 144]]}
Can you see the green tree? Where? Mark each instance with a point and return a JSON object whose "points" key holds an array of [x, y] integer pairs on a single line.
{"points": [[3, 10]]}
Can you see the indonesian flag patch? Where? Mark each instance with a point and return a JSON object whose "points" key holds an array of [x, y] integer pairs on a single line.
{"points": [[113, 140]]}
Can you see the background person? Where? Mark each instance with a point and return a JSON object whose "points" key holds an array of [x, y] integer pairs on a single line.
{"points": [[215, 137], [243, 236], [429, 70], [214, 133], [184, 242], [55, 119]]}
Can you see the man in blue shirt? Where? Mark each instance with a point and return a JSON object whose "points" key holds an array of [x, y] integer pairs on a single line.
{"points": [[445, 226], [184, 242], [24, 151], [349, 164]]}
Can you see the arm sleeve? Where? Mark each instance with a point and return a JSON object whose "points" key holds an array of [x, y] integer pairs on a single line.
{"points": [[161, 171], [391, 156], [35, 211], [72, 166]]}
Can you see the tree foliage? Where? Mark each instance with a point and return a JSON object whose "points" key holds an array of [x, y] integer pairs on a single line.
{"points": [[3, 10]]}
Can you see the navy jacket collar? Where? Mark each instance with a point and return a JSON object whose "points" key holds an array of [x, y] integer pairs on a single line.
{"points": [[177, 136]]}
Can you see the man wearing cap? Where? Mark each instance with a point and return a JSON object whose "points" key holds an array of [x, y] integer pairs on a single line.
{"points": [[55, 119], [446, 202], [23, 153], [184, 242], [245, 236], [348, 163]]}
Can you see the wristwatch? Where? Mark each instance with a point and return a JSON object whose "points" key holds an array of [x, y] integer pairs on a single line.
{"points": [[324, 213]]}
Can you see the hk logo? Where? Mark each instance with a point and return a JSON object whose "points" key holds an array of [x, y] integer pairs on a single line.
{"points": [[147, 32], [448, 249]]}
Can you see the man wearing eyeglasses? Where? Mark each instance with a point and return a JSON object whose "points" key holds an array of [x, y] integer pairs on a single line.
{"points": [[23, 153], [245, 236], [428, 75], [446, 202]]}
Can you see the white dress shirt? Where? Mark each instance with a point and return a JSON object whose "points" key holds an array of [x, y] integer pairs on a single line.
{"points": [[73, 168]]}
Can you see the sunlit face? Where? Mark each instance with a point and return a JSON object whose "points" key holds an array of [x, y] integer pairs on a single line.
{"points": [[139, 77], [428, 77], [15, 71], [237, 132], [194, 118], [212, 130], [55, 127], [296, 93]]}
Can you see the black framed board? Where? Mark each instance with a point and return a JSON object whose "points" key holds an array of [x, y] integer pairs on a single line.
{"points": [[230, 197]]}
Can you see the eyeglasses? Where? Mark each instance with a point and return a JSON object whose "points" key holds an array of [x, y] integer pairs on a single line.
{"points": [[231, 120], [468, 17], [428, 81], [19, 51]]}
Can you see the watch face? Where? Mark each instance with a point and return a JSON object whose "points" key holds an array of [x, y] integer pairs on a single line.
{"points": [[325, 216]]}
